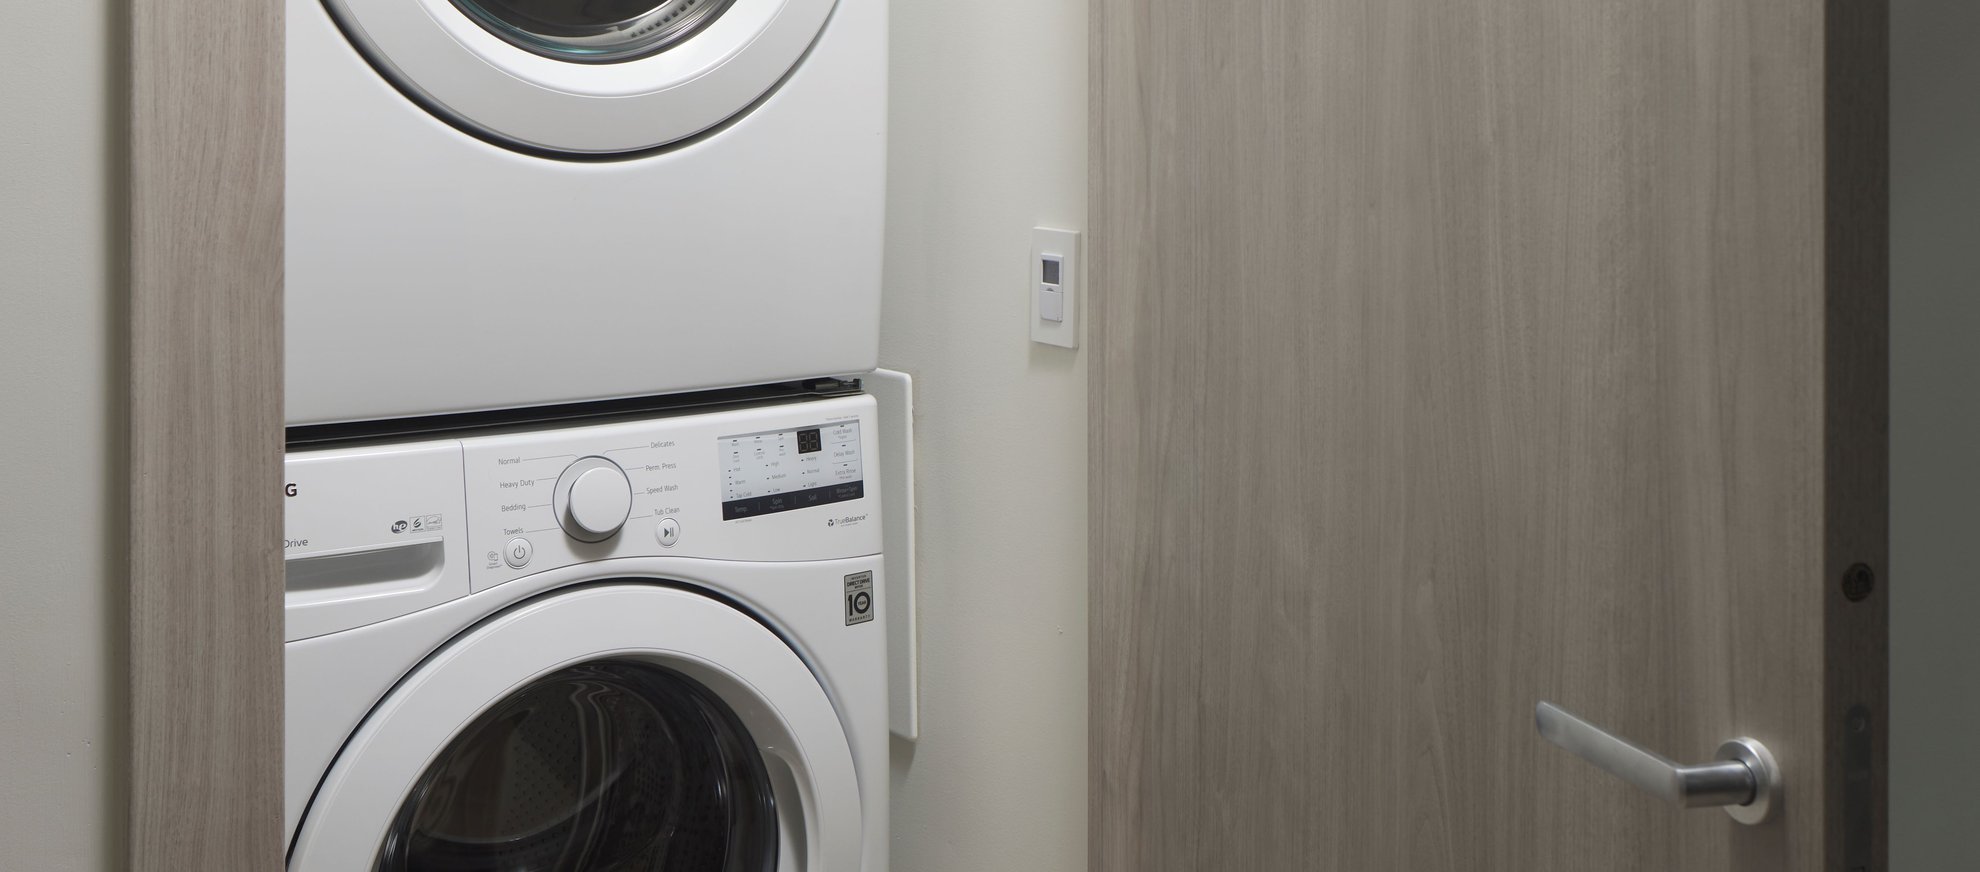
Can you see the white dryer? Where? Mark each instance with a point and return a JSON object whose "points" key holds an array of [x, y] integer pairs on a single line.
{"points": [[636, 644], [497, 204]]}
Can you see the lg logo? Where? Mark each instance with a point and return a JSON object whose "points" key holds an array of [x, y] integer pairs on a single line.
{"points": [[289, 489]]}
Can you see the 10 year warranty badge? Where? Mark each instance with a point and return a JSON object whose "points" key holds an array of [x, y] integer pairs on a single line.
{"points": [[859, 598]]}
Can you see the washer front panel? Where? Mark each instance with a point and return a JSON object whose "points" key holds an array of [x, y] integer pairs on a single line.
{"points": [[335, 681], [765, 683], [459, 67]]}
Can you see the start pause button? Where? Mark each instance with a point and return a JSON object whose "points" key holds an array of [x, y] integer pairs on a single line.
{"points": [[859, 598]]}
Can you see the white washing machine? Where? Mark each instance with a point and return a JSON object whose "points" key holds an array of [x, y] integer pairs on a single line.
{"points": [[638, 644], [498, 204]]}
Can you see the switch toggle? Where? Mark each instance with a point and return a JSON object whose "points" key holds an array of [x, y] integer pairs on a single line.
{"points": [[1051, 304]]}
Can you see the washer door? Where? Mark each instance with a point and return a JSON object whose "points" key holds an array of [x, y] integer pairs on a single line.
{"points": [[590, 77], [613, 727]]}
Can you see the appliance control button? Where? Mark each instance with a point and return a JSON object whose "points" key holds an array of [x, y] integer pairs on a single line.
{"points": [[596, 499], [668, 531], [518, 553]]}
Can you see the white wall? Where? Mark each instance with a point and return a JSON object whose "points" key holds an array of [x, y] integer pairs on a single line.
{"points": [[1935, 435], [62, 721], [989, 140]]}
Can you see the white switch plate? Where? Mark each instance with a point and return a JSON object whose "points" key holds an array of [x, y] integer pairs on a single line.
{"points": [[1064, 245]]}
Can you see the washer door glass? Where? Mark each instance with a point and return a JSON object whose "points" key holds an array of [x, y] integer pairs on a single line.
{"points": [[591, 77], [608, 765], [597, 31]]}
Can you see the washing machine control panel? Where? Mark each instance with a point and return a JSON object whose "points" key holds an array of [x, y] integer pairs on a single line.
{"points": [[774, 483], [791, 469]]}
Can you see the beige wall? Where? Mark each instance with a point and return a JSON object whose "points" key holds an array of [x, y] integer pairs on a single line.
{"points": [[61, 592], [1935, 435], [989, 140]]}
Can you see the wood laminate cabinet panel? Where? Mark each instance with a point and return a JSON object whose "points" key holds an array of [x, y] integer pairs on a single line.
{"points": [[206, 435], [1449, 357]]}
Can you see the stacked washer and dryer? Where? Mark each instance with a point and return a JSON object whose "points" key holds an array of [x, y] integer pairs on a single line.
{"points": [[583, 529]]}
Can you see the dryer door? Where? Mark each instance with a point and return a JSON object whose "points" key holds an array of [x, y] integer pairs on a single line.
{"points": [[611, 727], [589, 77]]}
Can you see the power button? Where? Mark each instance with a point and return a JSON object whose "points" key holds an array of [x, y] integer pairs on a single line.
{"points": [[518, 553]]}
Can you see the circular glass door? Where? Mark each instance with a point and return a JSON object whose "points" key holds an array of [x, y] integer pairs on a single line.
{"points": [[597, 31], [583, 77], [601, 766], [612, 728]]}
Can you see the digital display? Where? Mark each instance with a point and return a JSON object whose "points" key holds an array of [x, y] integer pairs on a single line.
{"points": [[783, 470], [1051, 272]]}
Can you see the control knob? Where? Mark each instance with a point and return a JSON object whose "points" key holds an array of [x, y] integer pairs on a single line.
{"points": [[593, 499]]}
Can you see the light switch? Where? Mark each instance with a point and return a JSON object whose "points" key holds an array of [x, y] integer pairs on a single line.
{"points": [[1053, 288], [1051, 304]]}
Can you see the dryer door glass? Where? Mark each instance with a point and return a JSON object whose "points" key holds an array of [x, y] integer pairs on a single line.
{"points": [[608, 765], [594, 31]]}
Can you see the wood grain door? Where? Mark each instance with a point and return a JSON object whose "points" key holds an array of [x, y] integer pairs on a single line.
{"points": [[1454, 356]]}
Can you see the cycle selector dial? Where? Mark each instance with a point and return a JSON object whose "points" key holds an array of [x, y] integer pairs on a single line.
{"points": [[593, 499]]}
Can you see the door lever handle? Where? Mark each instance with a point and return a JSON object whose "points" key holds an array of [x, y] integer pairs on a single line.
{"points": [[1743, 779]]}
